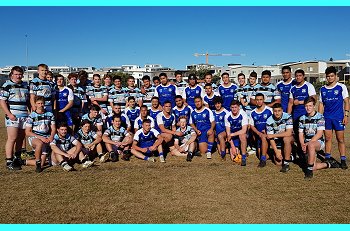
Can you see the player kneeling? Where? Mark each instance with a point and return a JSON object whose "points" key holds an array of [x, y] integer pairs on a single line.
{"points": [[40, 129], [65, 148], [279, 127], [184, 145], [91, 142], [147, 143], [117, 140]]}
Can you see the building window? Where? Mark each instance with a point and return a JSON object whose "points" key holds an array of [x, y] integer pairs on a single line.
{"points": [[310, 69]]}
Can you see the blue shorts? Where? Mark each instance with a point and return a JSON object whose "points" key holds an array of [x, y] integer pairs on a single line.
{"points": [[334, 124], [203, 137], [65, 117], [236, 141], [217, 132]]}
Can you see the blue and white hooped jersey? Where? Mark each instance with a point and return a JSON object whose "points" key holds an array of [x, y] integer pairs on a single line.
{"points": [[184, 111], [277, 126], [220, 120], [301, 93], [236, 123], [147, 97], [270, 92], [258, 119], [16, 97], [249, 93], [166, 93], [97, 121], [227, 94], [116, 134], [333, 101], [240, 93], [181, 86], [190, 93], [124, 119], [43, 88], [86, 138], [209, 100], [40, 123], [168, 122], [98, 92], [139, 120], [118, 96], [187, 134], [79, 99], [132, 114], [146, 140], [135, 92], [65, 143], [202, 119], [309, 125], [284, 89], [63, 96]]}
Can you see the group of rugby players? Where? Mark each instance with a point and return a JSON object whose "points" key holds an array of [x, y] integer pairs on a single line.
{"points": [[101, 119]]}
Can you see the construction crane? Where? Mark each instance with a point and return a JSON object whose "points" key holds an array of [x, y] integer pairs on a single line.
{"points": [[207, 55]]}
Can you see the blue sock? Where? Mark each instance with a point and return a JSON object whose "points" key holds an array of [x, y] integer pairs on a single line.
{"points": [[223, 153], [145, 158], [210, 146], [244, 156], [263, 158], [161, 154], [343, 157], [327, 155]]}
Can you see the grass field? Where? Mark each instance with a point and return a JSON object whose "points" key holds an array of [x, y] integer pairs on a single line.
{"points": [[203, 191]]}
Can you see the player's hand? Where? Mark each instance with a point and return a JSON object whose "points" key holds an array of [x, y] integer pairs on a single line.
{"points": [[181, 149], [152, 148], [178, 133], [345, 120], [296, 102], [303, 147], [262, 135], [12, 117], [210, 132], [198, 132], [118, 143], [103, 111]]}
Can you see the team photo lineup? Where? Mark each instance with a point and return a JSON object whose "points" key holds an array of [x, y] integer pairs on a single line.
{"points": [[74, 120]]}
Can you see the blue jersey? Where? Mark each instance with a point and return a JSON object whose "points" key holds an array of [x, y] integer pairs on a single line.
{"points": [[147, 97], [277, 126], [227, 94], [184, 111], [284, 89], [168, 122], [154, 114], [202, 119], [190, 93], [309, 125], [146, 140], [132, 114], [86, 138], [209, 100], [258, 119], [98, 92], [270, 92], [301, 93], [118, 96], [43, 88], [16, 96], [65, 143], [333, 101], [63, 96], [40, 123], [249, 93], [236, 123], [116, 134], [166, 93], [138, 122], [220, 120], [79, 99]]}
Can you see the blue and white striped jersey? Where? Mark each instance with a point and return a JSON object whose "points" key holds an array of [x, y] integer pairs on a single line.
{"points": [[40, 123], [118, 96], [16, 97], [147, 97], [86, 138], [65, 143], [309, 125], [43, 88], [116, 134], [97, 92], [270, 92], [276, 126]]}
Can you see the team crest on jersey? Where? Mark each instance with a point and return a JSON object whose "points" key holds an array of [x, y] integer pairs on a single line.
{"points": [[303, 90], [204, 115], [65, 94], [324, 93], [265, 116], [221, 117], [160, 90], [170, 90], [336, 92], [231, 90], [197, 92], [195, 116], [222, 92]]}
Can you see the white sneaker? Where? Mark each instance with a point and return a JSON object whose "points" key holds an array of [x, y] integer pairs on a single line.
{"points": [[162, 159], [151, 159], [208, 155], [250, 151], [104, 158], [66, 167], [87, 164]]}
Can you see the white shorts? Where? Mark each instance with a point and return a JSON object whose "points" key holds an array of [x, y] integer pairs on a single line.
{"points": [[18, 123], [44, 149]]}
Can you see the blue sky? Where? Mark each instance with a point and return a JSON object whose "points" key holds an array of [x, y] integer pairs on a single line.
{"points": [[113, 36]]}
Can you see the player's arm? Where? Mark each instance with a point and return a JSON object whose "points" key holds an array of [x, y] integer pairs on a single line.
{"points": [[320, 107], [346, 109], [158, 142], [192, 139], [318, 135], [176, 143], [137, 148], [58, 151], [5, 108], [273, 145], [240, 132], [106, 139], [290, 106]]}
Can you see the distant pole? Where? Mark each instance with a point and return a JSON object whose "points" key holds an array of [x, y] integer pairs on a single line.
{"points": [[27, 57]]}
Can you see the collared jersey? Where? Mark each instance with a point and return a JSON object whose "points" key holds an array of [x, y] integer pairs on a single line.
{"points": [[276, 126], [202, 119], [309, 125], [284, 89], [236, 123], [301, 93], [40, 123], [43, 88], [258, 119], [227, 94], [16, 96]]}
